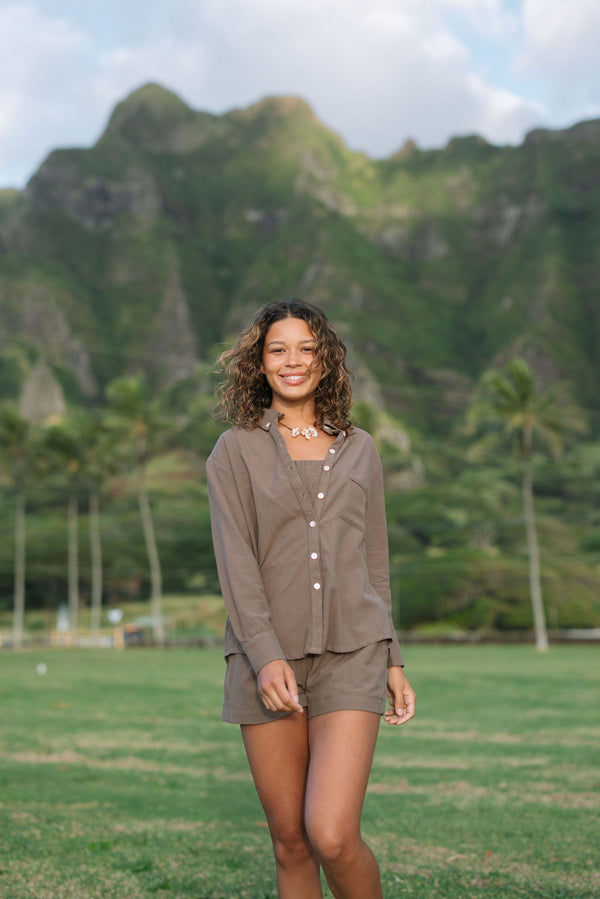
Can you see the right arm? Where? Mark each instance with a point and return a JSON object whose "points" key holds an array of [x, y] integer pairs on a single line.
{"points": [[233, 522]]}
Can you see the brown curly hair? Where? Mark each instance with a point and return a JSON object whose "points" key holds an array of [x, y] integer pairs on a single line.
{"points": [[244, 392]]}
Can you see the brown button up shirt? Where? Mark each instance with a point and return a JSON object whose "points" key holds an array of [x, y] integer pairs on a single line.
{"points": [[300, 575]]}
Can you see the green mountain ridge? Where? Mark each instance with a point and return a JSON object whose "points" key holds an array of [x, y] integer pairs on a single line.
{"points": [[149, 248], [148, 251]]}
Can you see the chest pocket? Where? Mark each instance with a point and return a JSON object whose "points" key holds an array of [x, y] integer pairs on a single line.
{"points": [[355, 502]]}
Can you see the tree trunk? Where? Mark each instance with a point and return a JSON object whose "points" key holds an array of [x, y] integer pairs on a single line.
{"points": [[19, 606], [153, 559], [535, 584], [73, 562], [96, 561]]}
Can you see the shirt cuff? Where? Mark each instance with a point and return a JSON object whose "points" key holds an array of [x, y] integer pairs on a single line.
{"points": [[394, 653], [262, 649]]}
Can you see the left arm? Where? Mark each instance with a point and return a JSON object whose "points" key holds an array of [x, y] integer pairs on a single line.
{"points": [[377, 554], [400, 693]]}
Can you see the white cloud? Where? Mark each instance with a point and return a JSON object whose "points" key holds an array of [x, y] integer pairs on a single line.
{"points": [[41, 68], [376, 72], [560, 47]]}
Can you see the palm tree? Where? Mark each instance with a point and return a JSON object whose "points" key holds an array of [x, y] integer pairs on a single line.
{"points": [[138, 422], [98, 459], [15, 448], [99, 462], [84, 446], [63, 442], [510, 402]]}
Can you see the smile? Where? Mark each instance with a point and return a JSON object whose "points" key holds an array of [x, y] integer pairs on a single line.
{"points": [[293, 379]]}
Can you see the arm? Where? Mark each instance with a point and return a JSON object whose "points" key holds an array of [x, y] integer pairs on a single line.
{"points": [[231, 512], [400, 693], [376, 542]]}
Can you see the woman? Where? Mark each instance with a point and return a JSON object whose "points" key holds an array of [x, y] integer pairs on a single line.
{"points": [[299, 532]]}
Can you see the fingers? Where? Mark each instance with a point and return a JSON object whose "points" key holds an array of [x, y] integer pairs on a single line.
{"points": [[292, 687], [277, 687], [402, 699]]}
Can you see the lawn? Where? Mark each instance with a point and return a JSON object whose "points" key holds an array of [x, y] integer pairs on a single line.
{"points": [[119, 780]]}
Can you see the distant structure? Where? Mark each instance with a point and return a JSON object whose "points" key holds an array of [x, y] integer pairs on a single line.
{"points": [[42, 399]]}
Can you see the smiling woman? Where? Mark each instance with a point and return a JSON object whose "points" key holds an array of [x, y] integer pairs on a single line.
{"points": [[301, 546], [293, 373]]}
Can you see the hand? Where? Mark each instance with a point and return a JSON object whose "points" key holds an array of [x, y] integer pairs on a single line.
{"points": [[277, 687], [401, 696]]}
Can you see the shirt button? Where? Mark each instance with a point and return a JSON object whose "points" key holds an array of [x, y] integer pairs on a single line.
{"points": [[312, 524], [317, 586], [332, 451], [302, 495], [320, 495], [314, 555], [326, 468], [290, 467]]}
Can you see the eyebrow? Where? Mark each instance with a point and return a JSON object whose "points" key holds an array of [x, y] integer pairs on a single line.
{"points": [[301, 342]]}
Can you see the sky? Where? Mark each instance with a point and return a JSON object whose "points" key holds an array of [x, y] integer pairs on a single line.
{"points": [[378, 72]]}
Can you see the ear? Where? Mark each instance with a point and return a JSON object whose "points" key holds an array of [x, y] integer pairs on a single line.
{"points": [[262, 369]]}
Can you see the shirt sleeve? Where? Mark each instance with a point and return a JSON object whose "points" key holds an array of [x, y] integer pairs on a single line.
{"points": [[243, 592], [377, 552]]}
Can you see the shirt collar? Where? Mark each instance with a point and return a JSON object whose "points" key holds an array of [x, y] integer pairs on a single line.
{"points": [[270, 417]]}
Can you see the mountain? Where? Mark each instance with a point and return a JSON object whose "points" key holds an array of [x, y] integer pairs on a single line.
{"points": [[148, 249]]}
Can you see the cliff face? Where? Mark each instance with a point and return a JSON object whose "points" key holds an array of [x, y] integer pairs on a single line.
{"points": [[144, 251]]}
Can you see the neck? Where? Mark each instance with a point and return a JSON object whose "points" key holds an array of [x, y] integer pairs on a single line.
{"points": [[296, 414]]}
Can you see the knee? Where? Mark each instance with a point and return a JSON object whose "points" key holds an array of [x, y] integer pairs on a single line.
{"points": [[333, 846], [290, 847]]}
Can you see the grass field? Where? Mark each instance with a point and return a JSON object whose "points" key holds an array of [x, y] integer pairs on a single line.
{"points": [[119, 780]]}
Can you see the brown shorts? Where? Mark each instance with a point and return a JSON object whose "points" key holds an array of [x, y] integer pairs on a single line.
{"points": [[328, 682]]}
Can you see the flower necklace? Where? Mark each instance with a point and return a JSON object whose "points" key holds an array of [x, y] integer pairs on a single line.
{"points": [[308, 432]]}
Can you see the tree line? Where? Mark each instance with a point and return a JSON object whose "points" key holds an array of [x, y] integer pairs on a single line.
{"points": [[86, 449]]}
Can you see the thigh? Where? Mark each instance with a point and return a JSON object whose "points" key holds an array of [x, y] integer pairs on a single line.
{"points": [[341, 746], [278, 755]]}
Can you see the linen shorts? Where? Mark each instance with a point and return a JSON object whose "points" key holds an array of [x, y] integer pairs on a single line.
{"points": [[329, 682]]}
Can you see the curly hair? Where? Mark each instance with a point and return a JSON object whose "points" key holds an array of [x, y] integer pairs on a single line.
{"points": [[244, 392]]}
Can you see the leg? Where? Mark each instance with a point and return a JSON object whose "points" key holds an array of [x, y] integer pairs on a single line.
{"points": [[341, 753], [278, 756]]}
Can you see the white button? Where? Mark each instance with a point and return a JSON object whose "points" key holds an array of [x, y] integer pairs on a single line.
{"points": [[317, 586], [326, 468], [312, 524], [314, 555], [332, 451], [320, 495]]}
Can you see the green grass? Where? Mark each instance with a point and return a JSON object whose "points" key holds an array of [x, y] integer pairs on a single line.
{"points": [[119, 780]]}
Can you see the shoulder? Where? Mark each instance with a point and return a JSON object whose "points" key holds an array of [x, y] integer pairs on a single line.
{"points": [[362, 456], [362, 441], [233, 445]]}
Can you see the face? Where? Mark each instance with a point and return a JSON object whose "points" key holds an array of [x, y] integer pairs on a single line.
{"points": [[289, 362]]}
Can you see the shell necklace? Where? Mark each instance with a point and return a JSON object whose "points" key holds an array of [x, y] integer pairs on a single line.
{"points": [[308, 432]]}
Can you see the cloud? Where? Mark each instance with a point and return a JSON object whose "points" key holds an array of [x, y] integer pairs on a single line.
{"points": [[560, 46], [41, 68], [377, 73]]}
